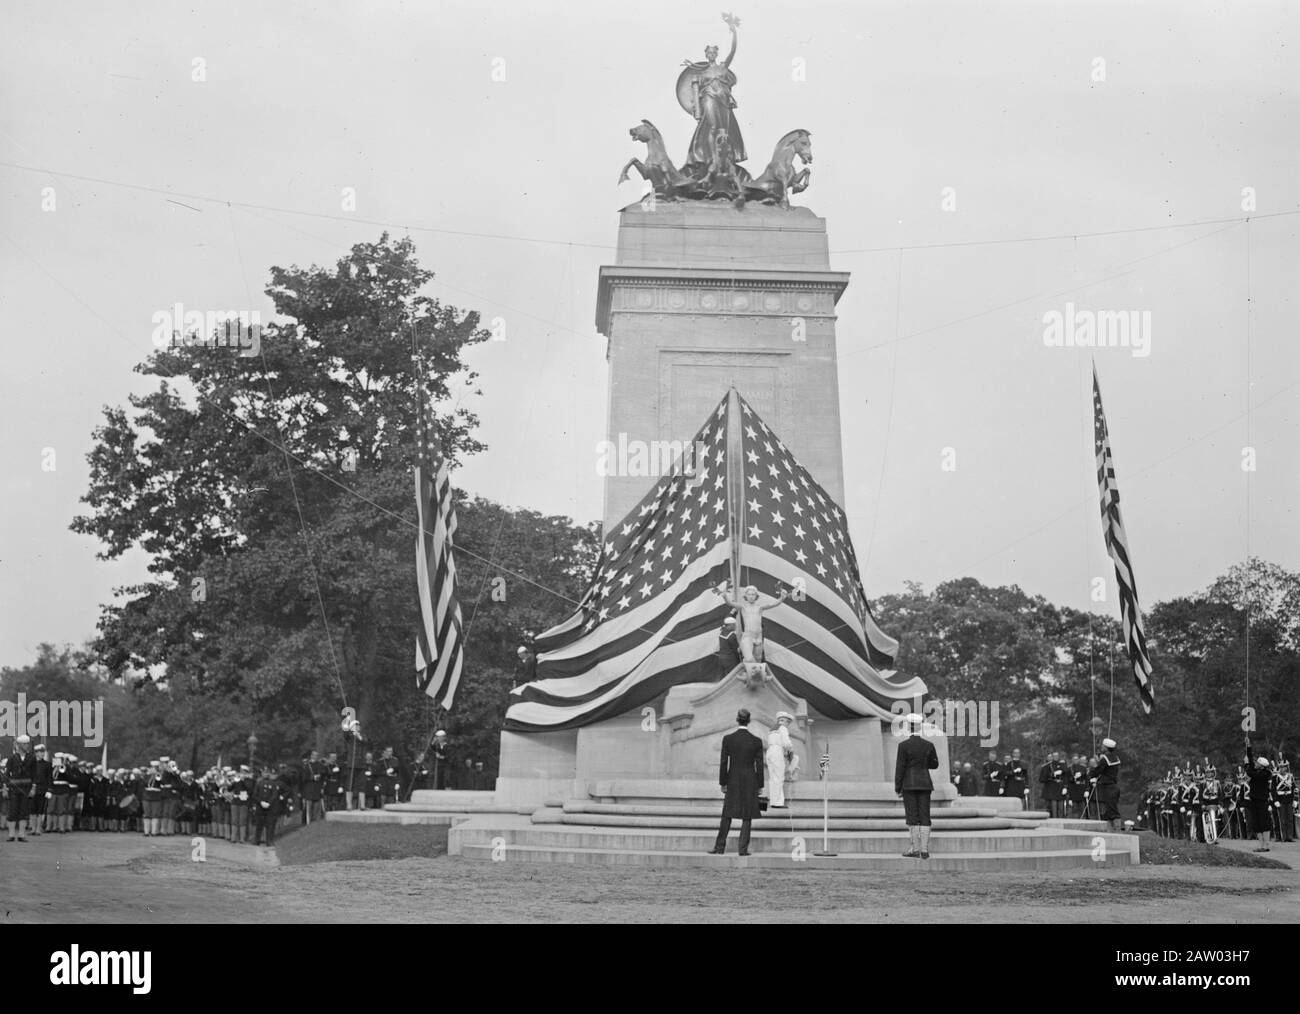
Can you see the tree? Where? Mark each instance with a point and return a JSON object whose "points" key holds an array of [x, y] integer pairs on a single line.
{"points": [[273, 497]]}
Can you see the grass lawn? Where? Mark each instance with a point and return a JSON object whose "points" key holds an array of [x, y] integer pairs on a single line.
{"points": [[1158, 851], [331, 842]]}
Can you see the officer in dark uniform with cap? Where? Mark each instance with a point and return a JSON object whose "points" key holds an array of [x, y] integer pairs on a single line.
{"points": [[335, 784], [1016, 779], [313, 787], [993, 775], [1078, 788], [266, 801]]}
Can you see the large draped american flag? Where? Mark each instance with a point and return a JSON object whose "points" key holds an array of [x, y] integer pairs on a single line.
{"points": [[1117, 546], [651, 616], [439, 653], [823, 644]]}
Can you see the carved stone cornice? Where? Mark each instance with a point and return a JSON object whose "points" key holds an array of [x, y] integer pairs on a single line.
{"points": [[718, 292]]}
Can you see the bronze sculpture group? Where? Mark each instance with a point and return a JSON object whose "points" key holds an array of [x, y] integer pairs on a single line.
{"points": [[712, 170]]}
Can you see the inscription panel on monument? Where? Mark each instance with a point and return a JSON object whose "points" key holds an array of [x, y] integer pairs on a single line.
{"points": [[692, 383]]}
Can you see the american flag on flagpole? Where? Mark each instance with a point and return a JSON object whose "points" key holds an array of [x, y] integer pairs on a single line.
{"points": [[439, 654], [1117, 546], [650, 618]]}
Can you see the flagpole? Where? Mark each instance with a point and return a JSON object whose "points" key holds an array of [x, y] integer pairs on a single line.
{"points": [[735, 484], [825, 766]]}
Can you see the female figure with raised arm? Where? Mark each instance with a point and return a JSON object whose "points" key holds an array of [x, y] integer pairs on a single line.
{"points": [[704, 90]]}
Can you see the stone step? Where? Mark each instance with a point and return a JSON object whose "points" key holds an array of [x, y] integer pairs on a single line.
{"points": [[797, 810], [1057, 859], [690, 841], [785, 823], [392, 817], [448, 799], [675, 790]]}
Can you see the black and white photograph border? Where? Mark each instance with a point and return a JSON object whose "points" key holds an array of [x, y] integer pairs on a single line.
{"points": [[587, 462]]}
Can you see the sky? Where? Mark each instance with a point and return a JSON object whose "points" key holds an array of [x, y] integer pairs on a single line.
{"points": [[979, 166]]}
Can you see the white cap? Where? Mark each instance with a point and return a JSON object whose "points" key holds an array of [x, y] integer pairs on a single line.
{"points": [[440, 732], [786, 715], [23, 739], [1109, 744], [914, 718]]}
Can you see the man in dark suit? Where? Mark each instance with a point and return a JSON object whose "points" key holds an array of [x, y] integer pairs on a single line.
{"points": [[740, 774], [916, 758]]}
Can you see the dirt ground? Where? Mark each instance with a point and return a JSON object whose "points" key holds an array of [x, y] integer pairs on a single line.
{"points": [[125, 878]]}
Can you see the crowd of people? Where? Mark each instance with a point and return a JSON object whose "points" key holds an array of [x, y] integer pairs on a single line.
{"points": [[59, 793], [1254, 800], [1076, 787]]}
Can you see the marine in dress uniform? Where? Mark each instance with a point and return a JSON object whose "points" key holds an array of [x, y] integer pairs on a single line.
{"points": [[1211, 802], [915, 759], [1282, 793], [1193, 810], [968, 781], [740, 775], [77, 778], [241, 798], [1169, 804], [189, 795], [152, 794], [171, 796]]}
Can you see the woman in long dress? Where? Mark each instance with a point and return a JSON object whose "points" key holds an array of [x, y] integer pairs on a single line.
{"points": [[713, 103], [774, 756]]}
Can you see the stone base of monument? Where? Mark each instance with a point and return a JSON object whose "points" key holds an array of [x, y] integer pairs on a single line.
{"points": [[642, 789], [438, 807], [528, 839]]}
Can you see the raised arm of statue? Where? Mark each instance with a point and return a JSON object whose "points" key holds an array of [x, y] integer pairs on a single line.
{"points": [[776, 602], [733, 23]]}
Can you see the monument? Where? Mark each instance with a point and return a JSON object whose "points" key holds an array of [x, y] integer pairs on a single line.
{"points": [[719, 312], [719, 285]]}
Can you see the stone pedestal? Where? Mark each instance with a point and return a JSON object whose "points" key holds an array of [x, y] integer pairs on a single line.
{"points": [[678, 742], [704, 297]]}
